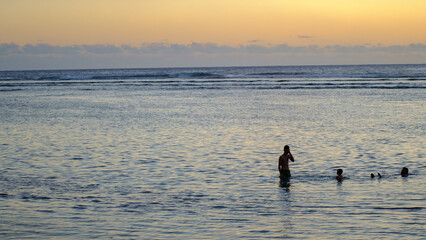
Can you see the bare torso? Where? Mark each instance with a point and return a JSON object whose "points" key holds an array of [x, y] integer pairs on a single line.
{"points": [[283, 161]]}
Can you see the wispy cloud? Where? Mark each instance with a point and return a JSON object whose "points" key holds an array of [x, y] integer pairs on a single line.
{"points": [[100, 49], [46, 49], [7, 49], [305, 36], [160, 54]]}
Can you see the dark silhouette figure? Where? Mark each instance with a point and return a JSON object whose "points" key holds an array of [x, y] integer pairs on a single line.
{"points": [[378, 175], [404, 172], [283, 167], [339, 174]]}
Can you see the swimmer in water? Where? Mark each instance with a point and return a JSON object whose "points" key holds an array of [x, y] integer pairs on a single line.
{"points": [[404, 172], [339, 174], [378, 175]]}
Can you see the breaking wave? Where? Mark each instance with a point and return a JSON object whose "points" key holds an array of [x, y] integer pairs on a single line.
{"points": [[297, 77]]}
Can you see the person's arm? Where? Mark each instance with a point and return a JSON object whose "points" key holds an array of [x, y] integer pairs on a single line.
{"points": [[291, 157], [280, 165]]}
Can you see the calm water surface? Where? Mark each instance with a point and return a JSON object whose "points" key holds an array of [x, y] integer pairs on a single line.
{"points": [[192, 153]]}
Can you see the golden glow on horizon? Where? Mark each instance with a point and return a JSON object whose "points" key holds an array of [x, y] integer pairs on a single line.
{"points": [[227, 22]]}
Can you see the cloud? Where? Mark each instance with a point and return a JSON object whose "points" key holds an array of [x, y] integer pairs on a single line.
{"points": [[100, 49], [162, 54], [7, 49], [304, 36], [161, 48], [46, 49], [254, 41]]}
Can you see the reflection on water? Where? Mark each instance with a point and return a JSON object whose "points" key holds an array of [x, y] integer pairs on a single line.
{"points": [[286, 208], [92, 161], [285, 184]]}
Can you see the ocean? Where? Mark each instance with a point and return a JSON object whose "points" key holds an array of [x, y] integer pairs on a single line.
{"points": [[192, 153]]}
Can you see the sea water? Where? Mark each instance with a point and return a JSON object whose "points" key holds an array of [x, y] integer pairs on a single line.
{"points": [[192, 153]]}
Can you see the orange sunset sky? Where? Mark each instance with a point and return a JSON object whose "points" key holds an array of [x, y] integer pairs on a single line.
{"points": [[376, 25]]}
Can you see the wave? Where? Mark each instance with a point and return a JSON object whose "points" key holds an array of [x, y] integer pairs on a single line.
{"points": [[204, 75], [182, 84], [55, 77], [298, 77], [280, 74]]}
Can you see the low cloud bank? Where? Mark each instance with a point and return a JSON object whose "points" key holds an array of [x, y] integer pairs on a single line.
{"points": [[45, 56]]}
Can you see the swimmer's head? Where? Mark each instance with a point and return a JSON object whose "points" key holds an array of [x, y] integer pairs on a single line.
{"points": [[404, 172], [339, 171], [372, 175], [286, 148]]}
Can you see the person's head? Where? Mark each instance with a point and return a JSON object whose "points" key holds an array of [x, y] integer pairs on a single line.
{"points": [[404, 172], [286, 148], [339, 171], [372, 175]]}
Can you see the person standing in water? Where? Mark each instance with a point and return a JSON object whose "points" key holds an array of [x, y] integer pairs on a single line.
{"points": [[339, 176], [404, 172], [283, 162]]}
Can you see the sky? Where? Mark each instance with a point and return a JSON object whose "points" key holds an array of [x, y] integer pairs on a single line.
{"points": [[52, 34]]}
